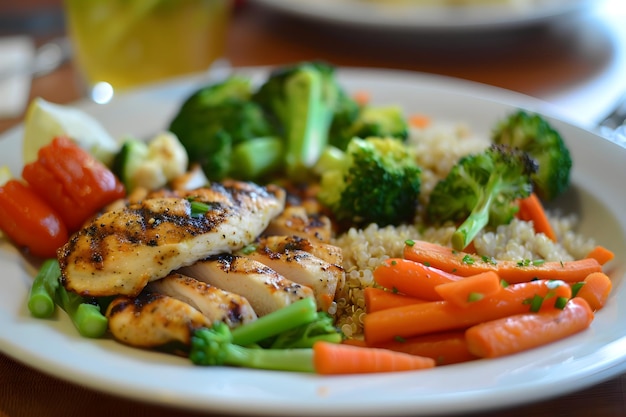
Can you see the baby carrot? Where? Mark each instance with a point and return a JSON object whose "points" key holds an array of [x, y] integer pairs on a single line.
{"points": [[437, 316], [338, 359], [531, 210], [445, 347], [412, 278], [377, 299], [420, 121], [465, 264], [601, 254], [595, 289], [471, 289], [525, 331]]}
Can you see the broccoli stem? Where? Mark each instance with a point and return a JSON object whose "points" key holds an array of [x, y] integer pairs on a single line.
{"points": [[308, 123], [215, 347], [478, 218], [41, 297], [257, 157], [304, 336], [295, 360], [296, 314]]}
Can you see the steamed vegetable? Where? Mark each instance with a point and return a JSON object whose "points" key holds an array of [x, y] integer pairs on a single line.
{"points": [[47, 292], [72, 181], [533, 134], [151, 164], [301, 99], [481, 189], [375, 180], [29, 221], [217, 118]]}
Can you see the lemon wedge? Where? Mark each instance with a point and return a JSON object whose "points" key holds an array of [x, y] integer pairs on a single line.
{"points": [[45, 120]]}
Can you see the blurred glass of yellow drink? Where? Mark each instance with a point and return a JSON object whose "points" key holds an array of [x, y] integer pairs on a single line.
{"points": [[126, 43]]}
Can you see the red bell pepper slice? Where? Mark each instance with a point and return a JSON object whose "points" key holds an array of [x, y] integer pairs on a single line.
{"points": [[29, 221], [73, 182]]}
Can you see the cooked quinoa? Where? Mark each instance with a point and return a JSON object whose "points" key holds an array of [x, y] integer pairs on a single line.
{"points": [[438, 148]]}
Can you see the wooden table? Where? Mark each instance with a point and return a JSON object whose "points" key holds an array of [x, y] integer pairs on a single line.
{"points": [[541, 62]]}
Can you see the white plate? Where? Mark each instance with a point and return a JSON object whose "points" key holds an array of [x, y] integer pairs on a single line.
{"points": [[54, 347], [389, 16]]}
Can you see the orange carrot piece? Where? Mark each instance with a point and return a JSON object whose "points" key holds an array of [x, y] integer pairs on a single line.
{"points": [[419, 121], [340, 358], [438, 316], [411, 278], [596, 289], [469, 290], [445, 348], [465, 264], [531, 210], [525, 331], [362, 97], [377, 299], [601, 254]]}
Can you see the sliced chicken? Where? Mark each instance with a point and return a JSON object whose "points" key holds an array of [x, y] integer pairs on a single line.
{"points": [[295, 220], [120, 251], [330, 253], [153, 320], [264, 288], [305, 269], [215, 303]]}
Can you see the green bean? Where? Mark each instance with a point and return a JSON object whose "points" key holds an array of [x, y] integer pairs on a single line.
{"points": [[41, 302]]}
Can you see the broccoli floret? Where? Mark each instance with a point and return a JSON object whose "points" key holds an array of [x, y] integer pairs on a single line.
{"points": [[383, 121], [301, 100], [534, 135], [215, 119], [375, 180], [481, 190]]}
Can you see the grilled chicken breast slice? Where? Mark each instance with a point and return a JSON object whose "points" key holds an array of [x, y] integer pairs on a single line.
{"points": [[305, 269], [265, 289], [330, 253], [120, 251], [295, 220], [215, 303], [152, 320]]}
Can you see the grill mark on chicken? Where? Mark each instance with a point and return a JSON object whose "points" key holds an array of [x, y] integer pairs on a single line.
{"points": [[305, 269], [265, 289], [330, 253], [152, 320], [295, 220], [120, 251], [215, 303]]}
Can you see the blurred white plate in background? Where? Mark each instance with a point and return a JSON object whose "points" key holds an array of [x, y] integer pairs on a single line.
{"points": [[410, 15]]}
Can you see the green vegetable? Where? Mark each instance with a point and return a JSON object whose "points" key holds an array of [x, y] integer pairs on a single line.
{"points": [[481, 190], [214, 119], [47, 292], [292, 316], [534, 135], [304, 336], [301, 99], [258, 158], [41, 298], [215, 347], [84, 312], [151, 164], [385, 121], [375, 180]]}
